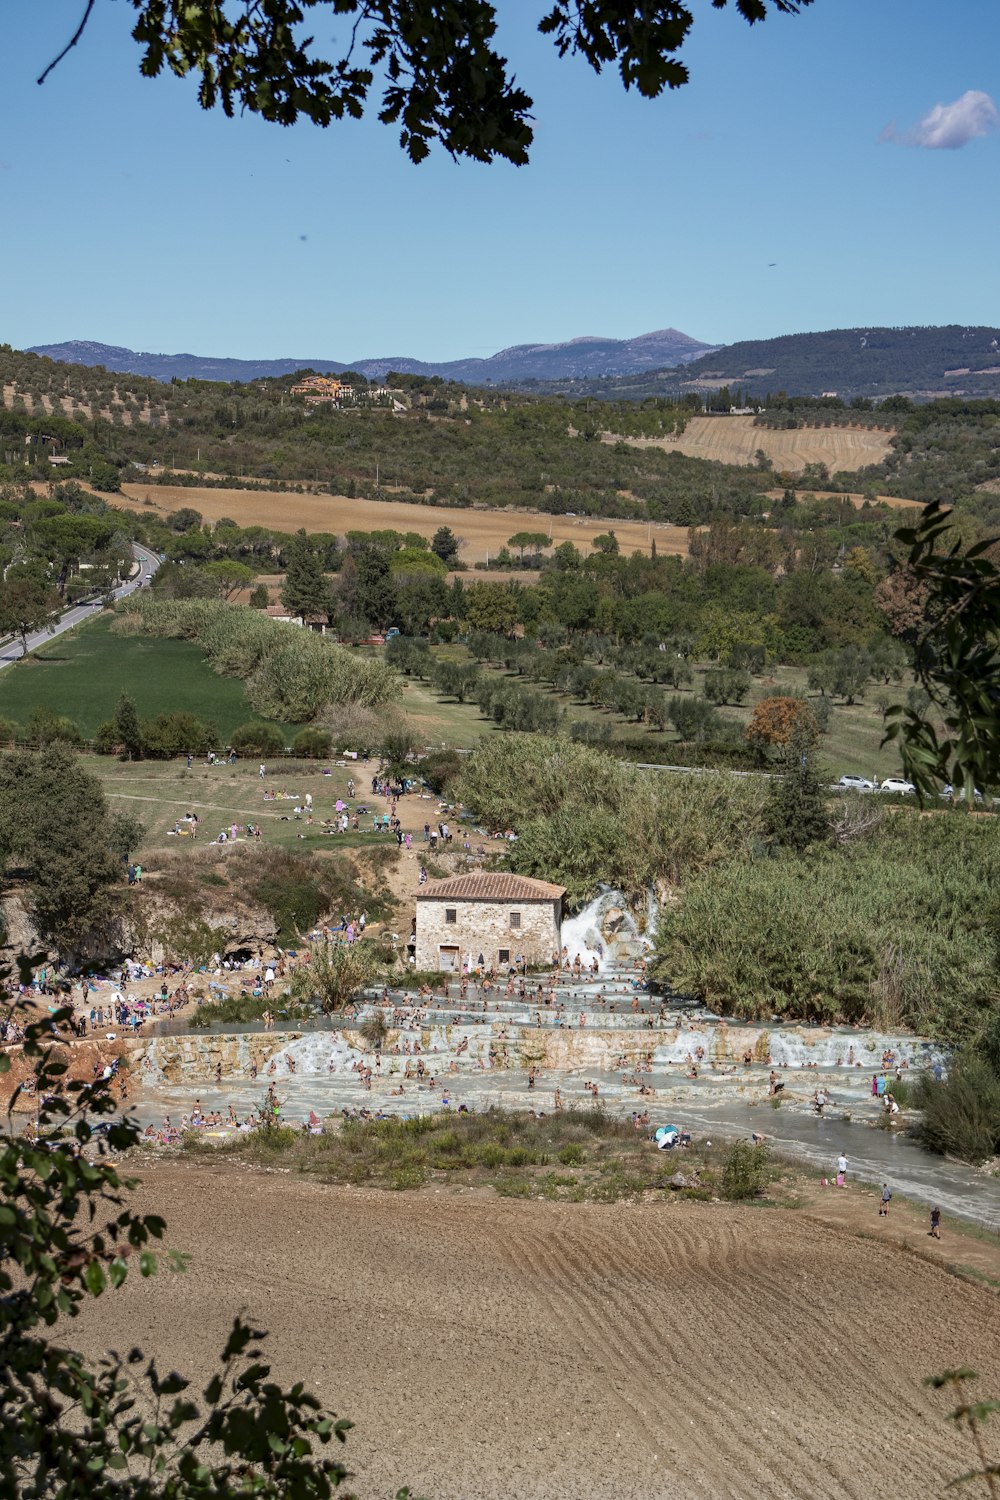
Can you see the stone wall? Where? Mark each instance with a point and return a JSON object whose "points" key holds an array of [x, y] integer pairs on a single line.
{"points": [[485, 927]]}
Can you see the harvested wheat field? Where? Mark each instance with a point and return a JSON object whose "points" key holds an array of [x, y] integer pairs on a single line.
{"points": [[487, 1347], [735, 440], [483, 532]]}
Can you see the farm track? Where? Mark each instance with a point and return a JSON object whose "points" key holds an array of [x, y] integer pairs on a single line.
{"points": [[489, 1347]]}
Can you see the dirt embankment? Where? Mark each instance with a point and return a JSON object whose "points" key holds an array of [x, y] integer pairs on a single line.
{"points": [[489, 1348]]}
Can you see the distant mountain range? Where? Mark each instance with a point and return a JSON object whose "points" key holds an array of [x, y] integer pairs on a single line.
{"points": [[956, 360], [580, 359]]}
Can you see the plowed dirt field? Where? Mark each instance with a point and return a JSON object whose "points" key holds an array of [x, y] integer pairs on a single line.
{"points": [[491, 1348]]}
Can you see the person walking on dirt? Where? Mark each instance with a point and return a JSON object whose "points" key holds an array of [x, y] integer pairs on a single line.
{"points": [[935, 1229], [883, 1208]]}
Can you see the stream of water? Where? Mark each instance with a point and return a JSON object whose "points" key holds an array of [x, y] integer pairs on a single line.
{"points": [[600, 1031]]}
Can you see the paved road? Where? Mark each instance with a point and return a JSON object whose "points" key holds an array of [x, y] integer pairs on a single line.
{"points": [[148, 563]]}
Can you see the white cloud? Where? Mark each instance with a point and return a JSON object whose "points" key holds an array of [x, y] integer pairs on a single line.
{"points": [[947, 127]]}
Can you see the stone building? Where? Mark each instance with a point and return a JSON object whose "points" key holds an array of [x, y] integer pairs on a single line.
{"points": [[497, 916]]}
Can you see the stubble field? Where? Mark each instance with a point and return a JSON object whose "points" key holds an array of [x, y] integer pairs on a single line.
{"points": [[488, 1348], [483, 532], [735, 440]]}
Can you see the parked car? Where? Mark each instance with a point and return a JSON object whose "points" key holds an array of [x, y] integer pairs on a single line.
{"points": [[898, 786], [856, 784]]}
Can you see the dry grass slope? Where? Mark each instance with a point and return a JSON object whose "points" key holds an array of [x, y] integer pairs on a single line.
{"points": [[735, 440]]}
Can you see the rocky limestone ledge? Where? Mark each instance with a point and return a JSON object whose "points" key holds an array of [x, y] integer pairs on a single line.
{"points": [[502, 1045], [193, 1058]]}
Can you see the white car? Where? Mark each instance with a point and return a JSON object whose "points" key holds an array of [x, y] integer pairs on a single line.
{"points": [[856, 784], [898, 786]]}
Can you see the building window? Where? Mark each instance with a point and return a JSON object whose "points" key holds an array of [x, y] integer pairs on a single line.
{"points": [[515, 919], [503, 956], [451, 914]]}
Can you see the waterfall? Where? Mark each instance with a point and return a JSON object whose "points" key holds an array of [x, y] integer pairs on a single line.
{"points": [[606, 929], [316, 1053]]}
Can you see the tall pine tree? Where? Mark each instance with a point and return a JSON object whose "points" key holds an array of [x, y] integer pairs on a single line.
{"points": [[306, 589]]}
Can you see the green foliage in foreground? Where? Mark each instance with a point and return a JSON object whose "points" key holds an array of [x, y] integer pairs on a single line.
{"points": [[898, 928], [585, 819], [289, 674], [120, 1428], [957, 660], [970, 1416]]}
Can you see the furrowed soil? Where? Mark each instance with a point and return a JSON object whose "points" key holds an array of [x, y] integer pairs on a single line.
{"points": [[483, 532], [486, 1347], [735, 440]]}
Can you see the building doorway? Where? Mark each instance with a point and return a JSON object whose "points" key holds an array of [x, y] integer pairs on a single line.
{"points": [[449, 959]]}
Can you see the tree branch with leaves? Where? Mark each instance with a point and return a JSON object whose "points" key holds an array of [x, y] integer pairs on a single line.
{"points": [[956, 658], [78, 1430], [441, 76]]}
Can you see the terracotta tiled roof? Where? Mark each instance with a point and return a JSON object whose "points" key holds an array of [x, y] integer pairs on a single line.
{"points": [[488, 886]]}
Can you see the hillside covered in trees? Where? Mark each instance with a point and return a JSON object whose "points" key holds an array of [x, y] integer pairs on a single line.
{"points": [[873, 362], [441, 443]]}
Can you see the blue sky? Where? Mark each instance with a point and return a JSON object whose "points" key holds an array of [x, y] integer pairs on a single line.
{"points": [[132, 217]]}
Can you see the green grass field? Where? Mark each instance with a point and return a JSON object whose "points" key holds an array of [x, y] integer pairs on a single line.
{"points": [[159, 793], [81, 674]]}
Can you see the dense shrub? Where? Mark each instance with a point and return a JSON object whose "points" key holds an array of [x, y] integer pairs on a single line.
{"points": [[585, 819], [290, 674], [746, 1172], [178, 733], [961, 1117], [258, 739], [106, 738], [46, 727], [440, 769], [896, 929], [312, 743]]}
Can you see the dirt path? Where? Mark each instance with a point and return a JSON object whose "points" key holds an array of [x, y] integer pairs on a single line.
{"points": [[907, 1225], [486, 1347]]}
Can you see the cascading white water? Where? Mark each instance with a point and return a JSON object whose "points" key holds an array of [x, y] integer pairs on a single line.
{"points": [[590, 935], [318, 1052]]}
